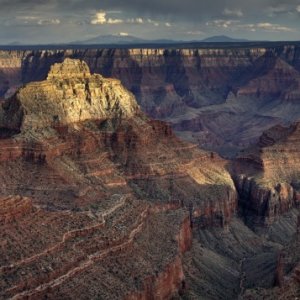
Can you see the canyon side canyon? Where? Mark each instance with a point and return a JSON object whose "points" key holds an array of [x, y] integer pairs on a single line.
{"points": [[150, 173]]}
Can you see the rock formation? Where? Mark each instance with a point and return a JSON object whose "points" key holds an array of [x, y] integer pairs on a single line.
{"points": [[268, 180], [97, 200], [86, 97]]}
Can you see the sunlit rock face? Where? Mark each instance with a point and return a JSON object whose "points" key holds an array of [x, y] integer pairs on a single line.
{"points": [[69, 95], [70, 68]]}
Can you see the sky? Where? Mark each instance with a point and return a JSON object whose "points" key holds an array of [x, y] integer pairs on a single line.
{"points": [[62, 21]]}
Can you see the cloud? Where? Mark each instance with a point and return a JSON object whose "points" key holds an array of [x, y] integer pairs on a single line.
{"points": [[196, 32], [34, 20], [273, 27], [233, 13], [249, 27], [281, 10], [222, 23], [155, 23], [27, 18], [237, 25], [144, 17], [189, 10], [274, 10], [101, 18], [139, 20], [114, 21], [268, 27], [135, 21], [48, 22]]}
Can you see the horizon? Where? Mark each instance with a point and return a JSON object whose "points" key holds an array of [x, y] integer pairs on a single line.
{"points": [[210, 41]]}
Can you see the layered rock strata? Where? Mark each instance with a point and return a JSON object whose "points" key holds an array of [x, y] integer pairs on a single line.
{"points": [[106, 196], [220, 98]]}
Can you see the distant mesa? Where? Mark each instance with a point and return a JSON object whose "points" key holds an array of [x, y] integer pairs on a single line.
{"points": [[127, 40], [15, 43], [119, 39], [223, 39]]}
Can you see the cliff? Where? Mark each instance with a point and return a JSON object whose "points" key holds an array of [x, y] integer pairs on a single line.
{"points": [[250, 88], [268, 173]]}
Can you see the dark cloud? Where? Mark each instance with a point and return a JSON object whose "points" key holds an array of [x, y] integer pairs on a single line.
{"points": [[173, 8], [170, 7]]}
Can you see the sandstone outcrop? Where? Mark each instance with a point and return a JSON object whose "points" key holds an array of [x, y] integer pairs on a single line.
{"points": [[85, 97]]}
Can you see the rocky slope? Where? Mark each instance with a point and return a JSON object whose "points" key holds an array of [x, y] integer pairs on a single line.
{"points": [[239, 263], [96, 200], [221, 98], [287, 275], [257, 256]]}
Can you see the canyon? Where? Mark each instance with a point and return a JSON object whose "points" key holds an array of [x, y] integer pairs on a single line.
{"points": [[221, 98], [100, 201]]}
